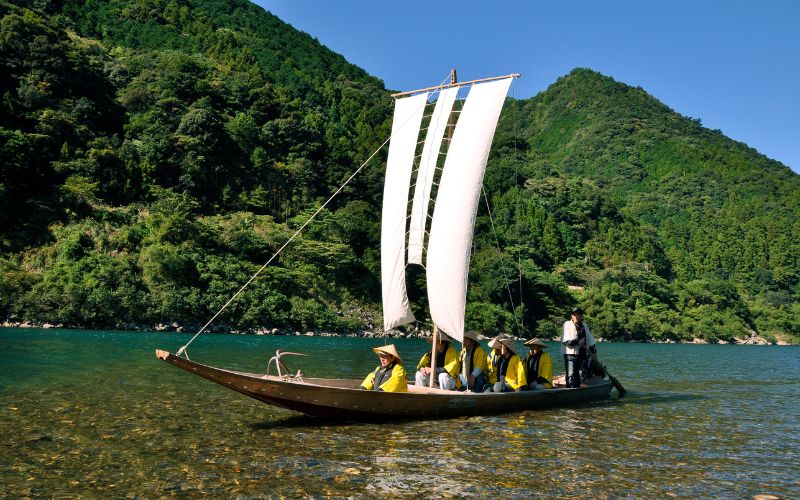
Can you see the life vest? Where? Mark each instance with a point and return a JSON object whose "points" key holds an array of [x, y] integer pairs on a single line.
{"points": [[393, 378], [491, 364], [450, 363], [479, 359], [540, 369], [476, 360], [512, 371], [447, 360]]}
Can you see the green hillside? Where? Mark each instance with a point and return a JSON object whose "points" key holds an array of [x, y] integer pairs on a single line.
{"points": [[676, 231], [154, 154]]}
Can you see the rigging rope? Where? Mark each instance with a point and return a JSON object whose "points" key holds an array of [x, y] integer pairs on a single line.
{"points": [[497, 242], [519, 197], [182, 350]]}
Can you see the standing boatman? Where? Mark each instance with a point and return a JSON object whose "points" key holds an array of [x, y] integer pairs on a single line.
{"points": [[577, 344]]}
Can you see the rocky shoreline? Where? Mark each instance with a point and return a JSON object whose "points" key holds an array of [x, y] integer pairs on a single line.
{"points": [[413, 332]]}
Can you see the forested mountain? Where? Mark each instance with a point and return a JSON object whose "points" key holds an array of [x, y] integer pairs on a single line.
{"points": [[154, 154]]}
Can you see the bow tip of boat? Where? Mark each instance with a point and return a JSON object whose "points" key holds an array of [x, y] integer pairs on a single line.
{"points": [[162, 354]]}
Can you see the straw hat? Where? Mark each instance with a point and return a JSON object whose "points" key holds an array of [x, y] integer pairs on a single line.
{"points": [[472, 335], [443, 337], [388, 349], [495, 342], [510, 343], [533, 342]]}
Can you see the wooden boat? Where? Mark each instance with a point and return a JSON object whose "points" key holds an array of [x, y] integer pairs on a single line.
{"points": [[342, 398], [446, 236]]}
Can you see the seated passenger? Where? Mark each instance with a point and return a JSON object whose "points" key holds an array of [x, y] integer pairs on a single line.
{"points": [[447, 365], [538, 366], [510, 369], [491, 359], [390, 376], [474, 368]]}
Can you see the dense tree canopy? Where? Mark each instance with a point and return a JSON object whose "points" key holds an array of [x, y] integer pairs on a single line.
{"points": [[153, 154]]}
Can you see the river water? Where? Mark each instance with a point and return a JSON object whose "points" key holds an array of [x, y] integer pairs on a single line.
{"points": [[95, 414]]}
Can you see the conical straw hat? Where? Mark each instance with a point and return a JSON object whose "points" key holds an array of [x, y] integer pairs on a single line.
{"points": [[510, 343], [495, 342], [533, 342], [442, 337], [472, 335], [388, 349]]}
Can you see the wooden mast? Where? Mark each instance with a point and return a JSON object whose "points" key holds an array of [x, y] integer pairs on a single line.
{"points": [[434, 343]]}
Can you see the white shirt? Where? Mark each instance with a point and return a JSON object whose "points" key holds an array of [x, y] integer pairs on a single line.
{"points": [[571, 333]]}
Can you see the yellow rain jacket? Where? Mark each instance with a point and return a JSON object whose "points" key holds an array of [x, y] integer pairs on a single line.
{"points": [[396, 381], [452, 364], [479, 359], [515, 373], [544, 373], [491, 363]]}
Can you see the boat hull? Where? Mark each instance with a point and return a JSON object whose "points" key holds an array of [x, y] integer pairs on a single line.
{"points": [[342, 399]]}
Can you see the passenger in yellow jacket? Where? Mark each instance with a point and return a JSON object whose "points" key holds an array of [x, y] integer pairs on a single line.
{"points": [[474, 366], [448, 365], [390, 376], [492, 358], [510, 368], [538, 366]]}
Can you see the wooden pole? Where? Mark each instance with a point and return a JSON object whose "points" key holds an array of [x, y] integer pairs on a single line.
{"points": [[434, 343], [434, 350], [451, 122], [459, 84]]}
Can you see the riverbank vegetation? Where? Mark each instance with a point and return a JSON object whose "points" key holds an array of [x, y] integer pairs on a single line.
{"points": [[154, 154]]}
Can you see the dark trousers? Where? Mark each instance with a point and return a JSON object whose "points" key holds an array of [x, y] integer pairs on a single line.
{"points": [[478, 386], [574, 365]]}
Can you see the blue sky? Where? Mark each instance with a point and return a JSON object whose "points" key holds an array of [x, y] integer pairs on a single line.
{"points": [[733, 64]]}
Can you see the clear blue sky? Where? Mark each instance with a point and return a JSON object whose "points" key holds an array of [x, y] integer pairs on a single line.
{"points": [[734, 64]]}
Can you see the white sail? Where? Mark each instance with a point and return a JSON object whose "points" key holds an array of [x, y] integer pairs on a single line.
{"points": [[405, 130], [453, 223], [427, 168]]}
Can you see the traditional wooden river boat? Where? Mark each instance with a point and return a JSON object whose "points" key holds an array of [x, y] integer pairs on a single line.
{"points": [[342, 398], [407, 234]]}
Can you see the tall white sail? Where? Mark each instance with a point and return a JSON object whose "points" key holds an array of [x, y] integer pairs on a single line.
{"points": [[405, 130], [427, 168], [453, 223]]}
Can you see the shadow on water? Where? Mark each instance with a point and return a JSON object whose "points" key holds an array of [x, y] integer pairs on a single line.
{"points": [[305, 421], [631, 398], [296, 421], [301, 421], [649, 398]]}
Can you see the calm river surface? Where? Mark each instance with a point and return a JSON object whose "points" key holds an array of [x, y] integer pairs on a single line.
{"points": [[95, 414]]}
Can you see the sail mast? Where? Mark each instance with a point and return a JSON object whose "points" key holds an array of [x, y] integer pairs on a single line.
{"points": [[450, 125]]}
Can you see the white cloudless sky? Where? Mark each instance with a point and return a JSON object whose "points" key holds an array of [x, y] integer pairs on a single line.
{"points": [[734, 64]]}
